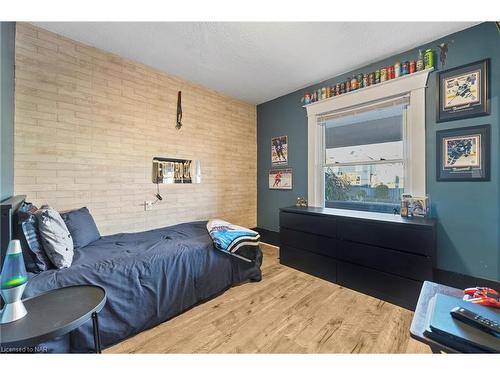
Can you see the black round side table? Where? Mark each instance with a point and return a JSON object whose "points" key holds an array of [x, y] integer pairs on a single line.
{"points": [[55, 313]]}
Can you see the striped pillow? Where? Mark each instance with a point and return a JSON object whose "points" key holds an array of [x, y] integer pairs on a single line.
{"points": [[34, 255]]}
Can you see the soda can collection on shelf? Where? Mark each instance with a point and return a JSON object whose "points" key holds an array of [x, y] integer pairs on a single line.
{"points": [[362, 80]]}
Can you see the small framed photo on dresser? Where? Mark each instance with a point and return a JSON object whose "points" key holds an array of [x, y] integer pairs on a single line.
{"points": [[463, 154], [463, 92]]}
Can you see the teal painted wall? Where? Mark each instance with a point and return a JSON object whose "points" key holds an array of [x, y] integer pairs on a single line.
{"points": [[468, 213], [7, 46]]}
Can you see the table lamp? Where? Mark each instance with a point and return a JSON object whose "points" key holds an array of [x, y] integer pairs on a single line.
{"points": [[12, 283]]}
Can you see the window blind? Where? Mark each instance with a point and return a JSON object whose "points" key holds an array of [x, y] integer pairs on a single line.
{"points": [[362, 109]]}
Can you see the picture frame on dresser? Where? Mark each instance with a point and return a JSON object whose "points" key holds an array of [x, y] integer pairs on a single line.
{"points": [[463, 154], [463, 92]]}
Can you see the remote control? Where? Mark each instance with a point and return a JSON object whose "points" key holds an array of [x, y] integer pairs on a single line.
{"points": [[478, 321]]}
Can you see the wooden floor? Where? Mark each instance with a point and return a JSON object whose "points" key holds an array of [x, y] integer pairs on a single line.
{"points": [[287, 312]]}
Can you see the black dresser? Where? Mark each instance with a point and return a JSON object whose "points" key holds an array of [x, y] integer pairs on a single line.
{"points": [[383, 255]]}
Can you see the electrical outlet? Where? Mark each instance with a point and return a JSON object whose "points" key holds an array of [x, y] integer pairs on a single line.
{"points": [[148, 205]]}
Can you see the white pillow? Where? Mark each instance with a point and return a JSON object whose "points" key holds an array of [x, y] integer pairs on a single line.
{"points": [[56, 239]]}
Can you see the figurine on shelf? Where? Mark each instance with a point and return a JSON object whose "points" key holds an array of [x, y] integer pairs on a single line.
{"points": [[420, 61], [306, 98]]}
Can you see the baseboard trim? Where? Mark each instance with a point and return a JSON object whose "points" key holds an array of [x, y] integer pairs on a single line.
{"points": [[268, 236], [462, 281]]}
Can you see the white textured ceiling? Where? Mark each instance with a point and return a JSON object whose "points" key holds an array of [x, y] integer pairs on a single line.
{"points": [[255, 61]]}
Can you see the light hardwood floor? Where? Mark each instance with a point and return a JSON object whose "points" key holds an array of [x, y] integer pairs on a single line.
{"points": [[287, 312]]}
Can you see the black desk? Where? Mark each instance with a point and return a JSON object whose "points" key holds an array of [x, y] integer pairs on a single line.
{"points": [[417, 328], [53, 314]]}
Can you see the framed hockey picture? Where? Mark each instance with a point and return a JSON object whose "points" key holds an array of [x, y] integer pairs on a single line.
{"points": [[280, 179], [463, 154], [463, 92], [279, 150]]}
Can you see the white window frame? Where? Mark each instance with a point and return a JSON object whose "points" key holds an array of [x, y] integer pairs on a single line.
{"points": [[414, 135]]}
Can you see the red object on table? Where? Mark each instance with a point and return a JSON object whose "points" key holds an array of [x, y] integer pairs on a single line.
{"points": [[483, 296]]}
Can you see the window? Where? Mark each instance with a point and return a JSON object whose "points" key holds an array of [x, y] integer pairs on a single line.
{"points": [[406, 95], [363, 154]]}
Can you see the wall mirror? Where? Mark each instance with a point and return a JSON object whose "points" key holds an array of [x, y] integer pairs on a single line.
{"points": [[176, 171]]}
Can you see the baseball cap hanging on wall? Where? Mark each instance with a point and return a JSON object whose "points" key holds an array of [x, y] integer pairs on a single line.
{"points": [[179, 111]]}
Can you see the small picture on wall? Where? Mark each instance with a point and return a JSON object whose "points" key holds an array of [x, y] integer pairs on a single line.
{"points": [[463, 154], [463, 92], [279, 150], [280, 179]]}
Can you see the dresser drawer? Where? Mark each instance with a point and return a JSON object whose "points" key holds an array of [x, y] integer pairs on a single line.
{"points": [[417, 267], [391, 288], [322, 225], [311, 263], [311, 242], [398, 237]]}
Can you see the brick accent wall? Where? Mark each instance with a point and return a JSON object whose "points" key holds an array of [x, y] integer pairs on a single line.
{"points": [[88, 124]]}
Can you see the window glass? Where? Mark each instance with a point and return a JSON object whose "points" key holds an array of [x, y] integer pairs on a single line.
{"points": [[366, 187], [363, 156]]}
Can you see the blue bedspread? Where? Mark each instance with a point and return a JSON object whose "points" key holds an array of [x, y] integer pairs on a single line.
{"points": [[149, 277]]}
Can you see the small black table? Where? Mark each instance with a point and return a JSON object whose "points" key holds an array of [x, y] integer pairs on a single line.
{"points": [[418, 324], [55, 313]]}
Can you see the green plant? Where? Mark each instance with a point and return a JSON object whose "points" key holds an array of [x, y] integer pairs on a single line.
{"points": [[336, 187]]}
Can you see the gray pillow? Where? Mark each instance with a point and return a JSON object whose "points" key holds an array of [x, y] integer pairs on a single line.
{"points": [[81, 225], [56, 239]]}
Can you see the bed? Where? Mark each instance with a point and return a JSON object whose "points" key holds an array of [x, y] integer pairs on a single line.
{"points": [[149, 277]]}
